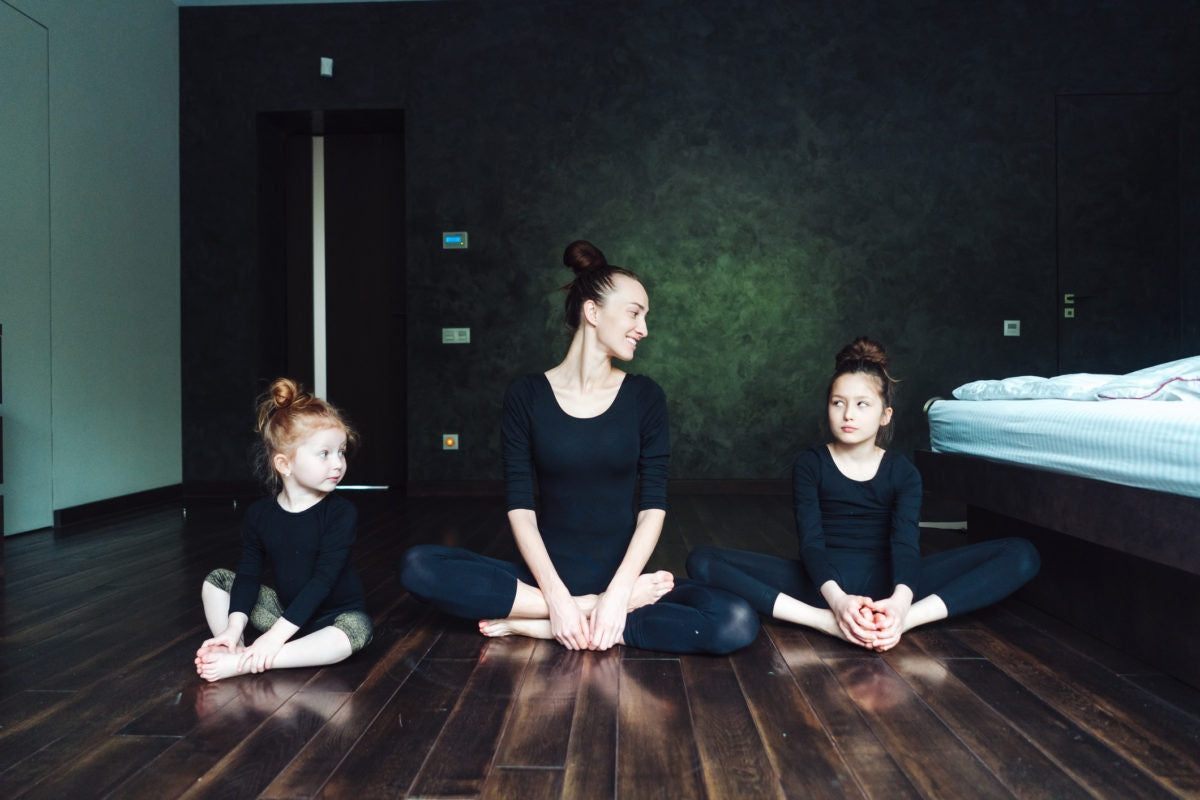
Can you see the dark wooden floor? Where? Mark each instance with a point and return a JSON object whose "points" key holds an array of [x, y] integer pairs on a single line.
{"points": [[98, 697]]}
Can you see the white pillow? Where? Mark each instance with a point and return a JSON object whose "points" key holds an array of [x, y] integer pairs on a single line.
{"points": [[1175, 380], [1077, 386]]}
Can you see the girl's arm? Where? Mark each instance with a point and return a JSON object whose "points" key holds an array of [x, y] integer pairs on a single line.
{"points": [[568, 623], [906, 551], [608, 618]]}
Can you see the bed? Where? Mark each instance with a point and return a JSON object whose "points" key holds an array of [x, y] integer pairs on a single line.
{"points": [[1102, 472]]}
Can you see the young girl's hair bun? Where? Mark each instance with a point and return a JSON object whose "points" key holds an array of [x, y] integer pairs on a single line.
{"points": [[584, 257], [283, 393], [862, 350]]}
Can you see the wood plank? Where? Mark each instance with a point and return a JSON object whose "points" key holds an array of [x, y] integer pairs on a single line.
{"points": [[933, 758], [389, 754], [249, 767], [803, 756], [874, 768], [334, 744], [1023, 769], [1110, 708], [591, 768], [96, 766], [658, 755], [460, 760], [189, 759], [539, 730], [523, 783], [733, 760], [1089, 761]]}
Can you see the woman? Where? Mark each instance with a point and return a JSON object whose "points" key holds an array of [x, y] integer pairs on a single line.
{"points": [[594, 437], [861, 576]]}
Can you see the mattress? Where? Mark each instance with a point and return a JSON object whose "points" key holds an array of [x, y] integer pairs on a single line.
{"points": [[1151, 445]]}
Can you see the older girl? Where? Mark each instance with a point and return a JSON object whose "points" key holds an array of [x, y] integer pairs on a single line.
{"points": [[315, 615], [593, 436], [861, 576]]}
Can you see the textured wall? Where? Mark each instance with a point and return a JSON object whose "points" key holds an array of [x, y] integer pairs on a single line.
{"points": [[784, 176]]}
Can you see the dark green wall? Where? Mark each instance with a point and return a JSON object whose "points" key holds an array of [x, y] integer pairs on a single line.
{"points": [[783, 175]]}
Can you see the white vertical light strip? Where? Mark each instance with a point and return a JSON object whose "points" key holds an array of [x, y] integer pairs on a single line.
{"points": [[320, 387]]}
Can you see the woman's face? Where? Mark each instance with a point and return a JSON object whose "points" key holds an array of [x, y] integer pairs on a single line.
{"points": [[621, 322], [856, 409]]}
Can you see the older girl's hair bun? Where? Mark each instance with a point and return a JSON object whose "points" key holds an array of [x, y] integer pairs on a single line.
{"points": [[862, 350], [584, 257]]}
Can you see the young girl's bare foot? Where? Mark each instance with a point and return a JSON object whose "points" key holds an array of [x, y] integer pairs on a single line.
{"points": [[535, 628], [220, 665], [649, 588], [211, 652]]}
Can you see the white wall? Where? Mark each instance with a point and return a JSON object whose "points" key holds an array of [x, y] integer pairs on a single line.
{"points": [[113, 98]]}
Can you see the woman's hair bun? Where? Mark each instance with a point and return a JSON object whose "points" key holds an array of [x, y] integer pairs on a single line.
{"points": [[583, 257], [863, 349]]}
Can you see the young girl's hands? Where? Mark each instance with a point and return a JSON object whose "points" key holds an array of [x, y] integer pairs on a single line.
{"points": [[260, 656]]}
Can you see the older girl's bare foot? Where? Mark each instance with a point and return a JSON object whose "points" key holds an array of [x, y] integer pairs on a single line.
{"points": [[222, 665], [649, 588]]}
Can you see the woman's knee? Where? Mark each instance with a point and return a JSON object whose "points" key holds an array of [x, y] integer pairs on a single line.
{"points": [[416, 571], [736, 629], [698, 562]]}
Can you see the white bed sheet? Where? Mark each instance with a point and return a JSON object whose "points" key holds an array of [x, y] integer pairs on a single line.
{"points": [[1146, 444]]}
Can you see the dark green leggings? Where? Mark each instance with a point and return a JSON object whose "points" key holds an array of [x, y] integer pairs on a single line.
{"points": [[267, 610]]}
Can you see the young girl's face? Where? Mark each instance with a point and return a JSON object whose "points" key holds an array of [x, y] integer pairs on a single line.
{"points": [[318, 462], [856, 409]]}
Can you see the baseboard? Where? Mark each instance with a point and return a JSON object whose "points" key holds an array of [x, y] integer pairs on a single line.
{"points": [[90, 512], [495, 488], [473, 488], [730, 486]]}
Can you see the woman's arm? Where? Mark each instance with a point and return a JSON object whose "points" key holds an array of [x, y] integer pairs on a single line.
{"points": [[568, 623], [608, 618]]}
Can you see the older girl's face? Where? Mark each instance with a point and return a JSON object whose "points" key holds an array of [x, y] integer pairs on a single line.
{"points": [[856, 409], [620, 323]]}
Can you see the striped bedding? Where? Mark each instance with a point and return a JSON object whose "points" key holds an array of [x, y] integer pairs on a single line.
{"points": [[1152, 445]]}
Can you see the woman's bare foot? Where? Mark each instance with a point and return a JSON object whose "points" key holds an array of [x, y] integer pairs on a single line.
{"points": [[221, 663], [649, 588], [534, 628]]}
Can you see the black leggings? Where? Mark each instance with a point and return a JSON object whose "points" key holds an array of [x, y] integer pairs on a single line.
{"points": [[966, 578], [691, 618]]}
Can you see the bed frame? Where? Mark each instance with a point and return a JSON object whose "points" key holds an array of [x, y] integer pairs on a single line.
{"points": [[1119, 562]]}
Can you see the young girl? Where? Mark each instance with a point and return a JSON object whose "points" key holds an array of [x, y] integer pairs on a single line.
{"points": [[304, 531], [861, 575], [592, 438]]}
